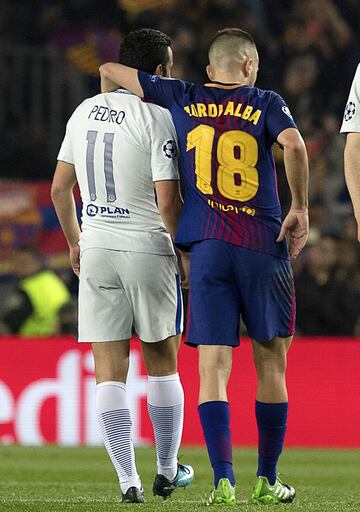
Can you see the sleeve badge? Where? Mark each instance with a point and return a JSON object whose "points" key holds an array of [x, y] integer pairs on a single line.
{"points": [[350, 111], [170, 149]]}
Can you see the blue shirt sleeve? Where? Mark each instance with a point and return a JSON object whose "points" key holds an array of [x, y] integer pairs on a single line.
{"points": [[159, 90], [278, 117]]}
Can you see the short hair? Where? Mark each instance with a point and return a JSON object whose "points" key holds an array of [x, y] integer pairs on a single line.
{"points": [[145, 49], [228, 44]]}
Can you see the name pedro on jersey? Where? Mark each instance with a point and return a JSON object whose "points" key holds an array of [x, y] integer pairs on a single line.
{"points": [[228, 109], [101, 113]]}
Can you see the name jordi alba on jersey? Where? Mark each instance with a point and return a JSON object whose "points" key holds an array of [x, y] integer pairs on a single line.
{"points": [[231, 108]]}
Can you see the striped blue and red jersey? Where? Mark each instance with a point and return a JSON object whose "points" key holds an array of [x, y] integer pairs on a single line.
{"points": [[226, 133]]}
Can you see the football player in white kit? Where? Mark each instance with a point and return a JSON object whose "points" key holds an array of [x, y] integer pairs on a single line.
{"points": [[351, 126], [123, 154]]}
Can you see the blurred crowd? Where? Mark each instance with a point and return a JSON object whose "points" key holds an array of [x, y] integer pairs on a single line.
{"points": [[309, 50]]}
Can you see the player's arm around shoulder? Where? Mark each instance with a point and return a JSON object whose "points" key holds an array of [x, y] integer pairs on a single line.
{"points": [[62, 197], [296, 223], [352, 172], [115, 75]]}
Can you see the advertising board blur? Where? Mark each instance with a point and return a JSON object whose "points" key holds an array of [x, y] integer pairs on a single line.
{"points": [[47, 393]]}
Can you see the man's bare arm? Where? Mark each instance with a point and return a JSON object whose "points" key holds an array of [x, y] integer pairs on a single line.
{"points": [[296, 167], [170, 203], [107, 85], [117, 75], [352, 172], [63, 200], [296, 223]]}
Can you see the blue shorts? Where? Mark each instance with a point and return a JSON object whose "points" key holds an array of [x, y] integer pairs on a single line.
{"points": [[228, 282]]}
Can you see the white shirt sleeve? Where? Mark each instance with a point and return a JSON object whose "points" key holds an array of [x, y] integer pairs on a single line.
{"points": [[66, 153], [164, 147], [351, 120]]}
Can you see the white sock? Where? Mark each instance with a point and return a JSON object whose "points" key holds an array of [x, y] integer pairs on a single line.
{"points": [[115, 425], [166, 411]]}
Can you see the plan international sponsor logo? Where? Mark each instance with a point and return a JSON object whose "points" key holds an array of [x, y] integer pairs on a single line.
{"points": [[112, 212]]}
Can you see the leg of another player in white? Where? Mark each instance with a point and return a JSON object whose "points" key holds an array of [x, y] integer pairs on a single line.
{"points": [[165, 402], [165, 405], [111, 368]]}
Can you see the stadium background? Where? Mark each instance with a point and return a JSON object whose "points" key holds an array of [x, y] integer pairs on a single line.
{"points": [[50, 52]]}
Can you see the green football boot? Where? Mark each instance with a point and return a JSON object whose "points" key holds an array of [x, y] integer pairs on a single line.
{"points": [[224, 494], [267, 494]]}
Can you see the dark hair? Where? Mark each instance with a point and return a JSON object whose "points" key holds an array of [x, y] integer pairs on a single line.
{"points": [[234, 32], [145, 49]]}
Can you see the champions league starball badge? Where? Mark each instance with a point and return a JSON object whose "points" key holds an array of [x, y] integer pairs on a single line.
{"points": [[286, 111], [170, 149], [350, 110]]}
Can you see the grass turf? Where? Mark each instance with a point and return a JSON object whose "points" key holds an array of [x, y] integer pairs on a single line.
{"points": [[49, 479]]}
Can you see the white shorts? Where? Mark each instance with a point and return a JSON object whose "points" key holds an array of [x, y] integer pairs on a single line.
{"points": [[121, 290]]}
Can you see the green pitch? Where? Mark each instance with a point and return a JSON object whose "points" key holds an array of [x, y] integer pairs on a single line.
{"points": [[82, 479]]}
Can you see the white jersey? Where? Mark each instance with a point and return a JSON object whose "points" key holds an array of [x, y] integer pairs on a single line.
{"points": [[351, 121], [120, 146]]}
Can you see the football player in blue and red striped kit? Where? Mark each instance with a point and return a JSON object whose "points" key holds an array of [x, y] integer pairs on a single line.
{"points": [[239, 257]]}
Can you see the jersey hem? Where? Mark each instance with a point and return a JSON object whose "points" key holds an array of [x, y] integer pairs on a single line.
{"points": [[186, 246], [145, 339], [65, 160], [275, 335], [156, 253], [85, 339], [349, 130], [234, 344], [156, 339], [195, 344]]}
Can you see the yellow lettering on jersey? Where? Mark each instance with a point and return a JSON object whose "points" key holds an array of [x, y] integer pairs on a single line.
{"points": [[229, 111], [193, 111], [237, 112], [201, 108], [212, 110], [247, 112], [255, 117], [231, 208]]}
